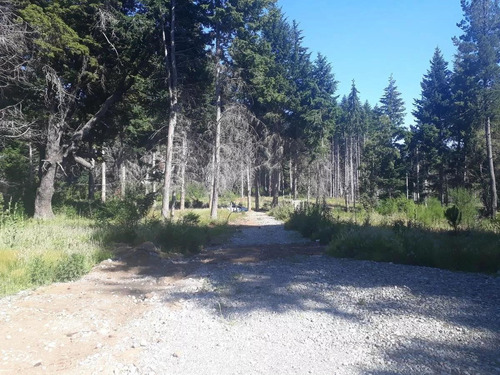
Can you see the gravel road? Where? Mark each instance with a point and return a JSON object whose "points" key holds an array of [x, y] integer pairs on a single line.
{"points": [[301, 314]]}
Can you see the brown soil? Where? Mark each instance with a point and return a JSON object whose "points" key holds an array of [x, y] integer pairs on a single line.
{"points": [[52, 329]]}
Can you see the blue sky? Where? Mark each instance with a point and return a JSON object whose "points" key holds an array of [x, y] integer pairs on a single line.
{"points": [[368, 40]]}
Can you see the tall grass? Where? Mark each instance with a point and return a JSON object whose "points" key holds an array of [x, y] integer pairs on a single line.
{"points": [[402, 232], [35, 252]]}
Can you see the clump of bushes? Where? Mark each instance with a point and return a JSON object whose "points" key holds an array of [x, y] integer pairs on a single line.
{"points": [[313, 221], [282, 211], [477, 252], [407, 241]]}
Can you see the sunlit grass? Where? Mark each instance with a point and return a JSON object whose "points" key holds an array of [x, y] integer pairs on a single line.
{"points": [[34, 252]]}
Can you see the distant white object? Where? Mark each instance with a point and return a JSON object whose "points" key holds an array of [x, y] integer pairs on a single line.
{"points": [[233, 207]]}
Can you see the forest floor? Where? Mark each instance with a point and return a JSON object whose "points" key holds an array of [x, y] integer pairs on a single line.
{"points": [[266, 301]]}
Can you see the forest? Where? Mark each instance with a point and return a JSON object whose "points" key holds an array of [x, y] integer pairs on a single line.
{"points": [[198, 99], [197, 103]]}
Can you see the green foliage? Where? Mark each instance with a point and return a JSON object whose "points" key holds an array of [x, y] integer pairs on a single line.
{"points": [[34, 253], [282, 211], [468, 205], [400, 243], [190, 219], [454, 217], [472, 253], [196, 192], [314, 221], [11, 213]]}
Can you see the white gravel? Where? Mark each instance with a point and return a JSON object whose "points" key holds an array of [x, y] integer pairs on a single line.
{"points": [[319, 315]]}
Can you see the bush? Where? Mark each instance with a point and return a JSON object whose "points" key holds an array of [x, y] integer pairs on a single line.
{"points": [[314, 221], [71, 267], [470, 252], [430, 213], [282, 211], [454, 217], [468, 204]]}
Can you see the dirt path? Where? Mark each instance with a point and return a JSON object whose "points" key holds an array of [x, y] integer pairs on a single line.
{"points": [[53, 329], [267, 301]]}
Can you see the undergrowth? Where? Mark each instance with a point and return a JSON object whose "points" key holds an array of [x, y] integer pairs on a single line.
{"points": [[34, 253], [406, 233]]}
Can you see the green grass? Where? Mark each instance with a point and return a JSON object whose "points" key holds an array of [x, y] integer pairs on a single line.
{"points": [[34, 253], [186, 233], [402, 238]]}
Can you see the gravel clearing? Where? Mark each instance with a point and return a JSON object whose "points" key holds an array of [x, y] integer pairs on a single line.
{"points": [[296, 314], [319, 315]]}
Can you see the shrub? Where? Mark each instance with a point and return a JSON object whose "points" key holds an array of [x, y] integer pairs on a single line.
{"points": [[71, 267], [468, 204], [454, 217], [282, 211], [430, 213], [470, 252], [379, 244]]}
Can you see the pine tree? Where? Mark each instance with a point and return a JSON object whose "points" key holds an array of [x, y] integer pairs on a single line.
{"points": [[433, 113], [478, 69]]}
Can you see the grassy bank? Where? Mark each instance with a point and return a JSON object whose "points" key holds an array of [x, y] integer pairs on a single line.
{"points": [[34, 252], [401, 238]]}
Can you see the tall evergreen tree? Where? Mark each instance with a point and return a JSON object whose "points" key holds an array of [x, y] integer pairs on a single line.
{"points": [[478, 67], [392, 105], [432, 132]]}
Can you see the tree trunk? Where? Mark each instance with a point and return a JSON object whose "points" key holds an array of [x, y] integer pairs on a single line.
{"points": [[249, 189], [295, 181], [123, 179], [218, 99], [242, 181], [91, 176], [53, 156], [351, 172], [275, 186], [418, 177], [103, 182], [91, 185], [183, 170], [491, 167], [257, 192], [171, 67]]}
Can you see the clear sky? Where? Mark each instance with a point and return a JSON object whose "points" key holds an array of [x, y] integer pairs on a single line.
{"points": [[367, 40]]}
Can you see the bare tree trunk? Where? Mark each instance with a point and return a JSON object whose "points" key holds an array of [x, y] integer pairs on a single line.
{"points": [[91, 184], [153, 163], [275, 186], [183, 170], [31, 174], [295, 181], [249, 189], [171, 67], [491, 167], [337, 171], [418, 177], [123, 179], [242, 181], [174, 202], [91, 176], [53, 156], [290, 170], [103, 181], [346, 175], [218, 98], [351, 172], [257, 192], [212, 176]]}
